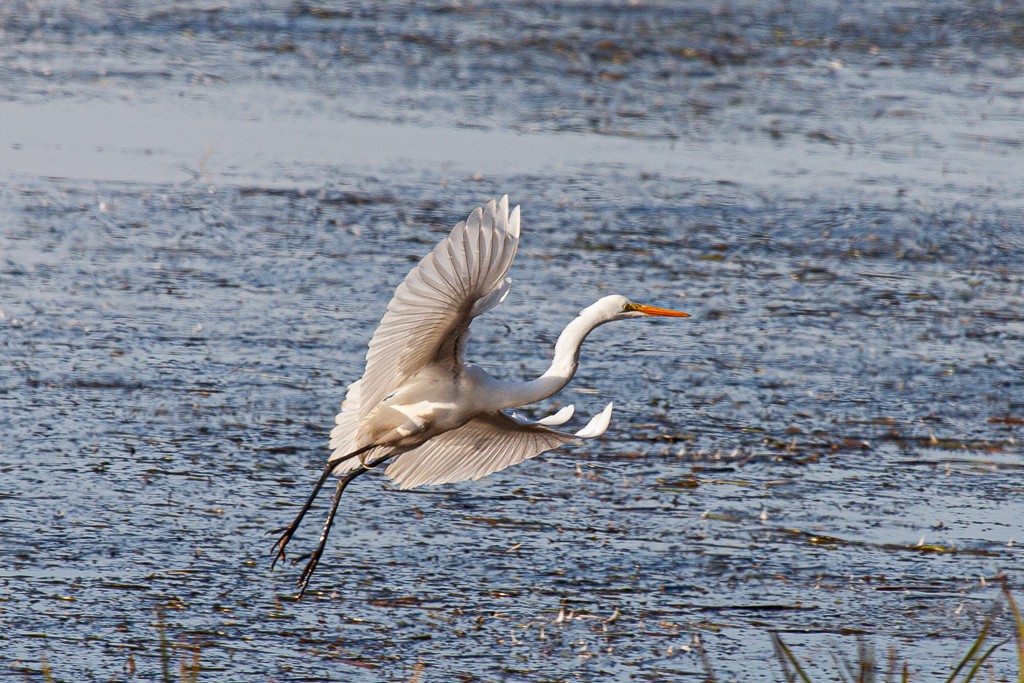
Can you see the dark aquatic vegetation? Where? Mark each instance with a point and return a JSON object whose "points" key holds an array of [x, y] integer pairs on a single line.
{"points": [[866, 667]]}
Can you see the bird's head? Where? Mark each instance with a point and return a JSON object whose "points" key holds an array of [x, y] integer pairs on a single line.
{"points": [[617, 307]]}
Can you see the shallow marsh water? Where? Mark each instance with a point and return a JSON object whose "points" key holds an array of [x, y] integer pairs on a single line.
{"points": [[204, 212]]}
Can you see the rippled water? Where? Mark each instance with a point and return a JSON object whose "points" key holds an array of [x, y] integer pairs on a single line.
{"points": [[204, 211]]}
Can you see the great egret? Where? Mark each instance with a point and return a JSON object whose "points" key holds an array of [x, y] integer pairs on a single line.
{"points": [[419, 403]]}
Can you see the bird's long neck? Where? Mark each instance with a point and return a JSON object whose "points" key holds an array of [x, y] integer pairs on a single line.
{"points": [[563, 365]]}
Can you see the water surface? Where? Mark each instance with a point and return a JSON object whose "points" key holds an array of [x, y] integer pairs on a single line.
{"points": [[204, 212]]}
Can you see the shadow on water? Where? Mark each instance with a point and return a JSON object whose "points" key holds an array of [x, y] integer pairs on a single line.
{"points": [[829, 449]]}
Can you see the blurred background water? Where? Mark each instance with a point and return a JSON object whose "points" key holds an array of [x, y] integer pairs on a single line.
{"points": [[205, 207]]}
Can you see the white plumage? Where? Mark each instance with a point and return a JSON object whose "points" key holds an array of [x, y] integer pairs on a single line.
{"points": [[419, 404]]}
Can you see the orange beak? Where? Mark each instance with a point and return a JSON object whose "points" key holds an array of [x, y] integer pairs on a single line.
{"points": [[663, 312]]}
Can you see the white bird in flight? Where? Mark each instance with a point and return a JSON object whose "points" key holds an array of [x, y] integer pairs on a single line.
{"points": [[419, 404]]}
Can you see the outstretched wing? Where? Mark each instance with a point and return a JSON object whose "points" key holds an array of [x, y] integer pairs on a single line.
{"points": [[344, 432], [486, 444], [429, 315]]}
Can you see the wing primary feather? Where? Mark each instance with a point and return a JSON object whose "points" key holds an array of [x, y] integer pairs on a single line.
{"points": [[598, 424], [488, 443], [434, 305]]}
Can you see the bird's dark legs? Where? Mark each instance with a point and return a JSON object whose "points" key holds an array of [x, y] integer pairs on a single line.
{"points": [[314, 558], [289, 531], [278, 549]]}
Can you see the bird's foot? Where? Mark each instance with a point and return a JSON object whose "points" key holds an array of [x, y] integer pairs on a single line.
{"points": [[278, 550], [300, 558], [307, 573]]}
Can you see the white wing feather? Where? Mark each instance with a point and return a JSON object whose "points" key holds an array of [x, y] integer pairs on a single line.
{"points": [[559, 418], [598, 424], [431, 310], [486, 444], [428, 317], [345, 421], [344, 431]]}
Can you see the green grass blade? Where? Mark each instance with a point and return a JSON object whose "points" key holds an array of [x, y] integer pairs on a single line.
{"points": [[840, 666], [785, 655], [1018, 635], [981, 660], [972, 652]]}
